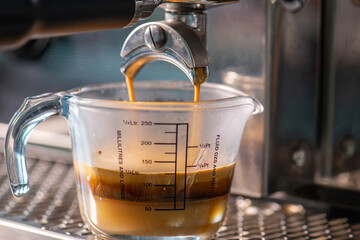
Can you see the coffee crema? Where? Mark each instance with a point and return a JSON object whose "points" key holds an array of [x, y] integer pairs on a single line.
{"points": [[144, 205]]}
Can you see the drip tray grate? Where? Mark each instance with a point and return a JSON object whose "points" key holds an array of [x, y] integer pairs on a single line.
{"points": [[52, 207]]}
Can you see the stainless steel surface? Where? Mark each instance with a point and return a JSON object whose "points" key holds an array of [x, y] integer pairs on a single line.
{"points": [[180, 40], [259, 219], [50, 211], [175, 43], [293, 5], [302, 63], [294, 83], [340, 163], [155, 37], [14, 230], [275, 59], [144, 9], [207, 2], [237, 46], [51, 204], [193, 16]]}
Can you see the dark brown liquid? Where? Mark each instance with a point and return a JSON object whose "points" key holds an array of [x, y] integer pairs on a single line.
{"points": [[141, 204], [130, 88]]}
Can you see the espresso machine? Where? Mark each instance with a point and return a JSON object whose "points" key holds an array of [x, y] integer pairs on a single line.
{"points": [[297, 175]]}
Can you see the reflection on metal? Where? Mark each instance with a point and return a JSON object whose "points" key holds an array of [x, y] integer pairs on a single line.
{"points": [[193, 16], [155, 37], [237, 50], [293, 5], [173, 42], [305, 71], [340, 163], [299, 157], [268, 220], [349, 180], [206, 2]]}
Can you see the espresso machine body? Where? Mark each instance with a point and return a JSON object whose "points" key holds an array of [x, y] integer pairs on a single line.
{"points": [[302, 62]]}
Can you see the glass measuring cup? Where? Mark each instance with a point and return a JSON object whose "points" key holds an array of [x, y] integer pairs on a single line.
{"points": [[160, 167]]}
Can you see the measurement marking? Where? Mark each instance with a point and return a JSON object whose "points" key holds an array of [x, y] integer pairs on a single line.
{"points": [[176, 195], [170, 123], [168, 209], [165, 143], [186, 154], [164, 185], [176, 151]]}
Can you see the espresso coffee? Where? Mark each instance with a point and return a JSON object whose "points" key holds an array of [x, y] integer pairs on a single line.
{"points": [[153, 204], [130, 88]]}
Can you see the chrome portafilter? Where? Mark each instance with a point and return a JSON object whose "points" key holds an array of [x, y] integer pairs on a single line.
{"points": [[174, 41]]}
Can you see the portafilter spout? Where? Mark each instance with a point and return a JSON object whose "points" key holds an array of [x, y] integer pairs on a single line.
{"points": [[173, 40]]}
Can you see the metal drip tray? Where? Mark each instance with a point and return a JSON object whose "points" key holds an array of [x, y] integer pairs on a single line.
{"points": [[50, 211]]}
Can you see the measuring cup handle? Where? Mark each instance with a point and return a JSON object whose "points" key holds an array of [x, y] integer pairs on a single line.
{"points": [[33, 111]]}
